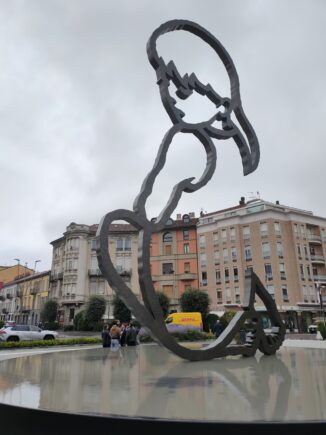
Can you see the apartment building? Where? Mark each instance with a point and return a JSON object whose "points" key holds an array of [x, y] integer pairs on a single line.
{"points": [[22, 300], [285, 246], [75, 274], [174, 257], [11, 273]]}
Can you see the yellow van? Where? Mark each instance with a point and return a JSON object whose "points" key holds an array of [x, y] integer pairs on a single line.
{"points": [[185, 319]]}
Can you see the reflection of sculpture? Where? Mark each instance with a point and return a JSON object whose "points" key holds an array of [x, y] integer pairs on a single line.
{"points": [[150, 314]]}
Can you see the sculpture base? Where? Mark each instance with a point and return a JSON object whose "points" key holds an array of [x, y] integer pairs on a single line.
{"points": [[147, 387]]}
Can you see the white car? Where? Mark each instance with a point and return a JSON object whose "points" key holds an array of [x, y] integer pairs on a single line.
{"points": [[25, 333]]}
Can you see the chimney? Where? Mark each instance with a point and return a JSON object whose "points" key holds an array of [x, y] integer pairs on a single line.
{"points": [[179, 217], [242, 200], [277, 202]]}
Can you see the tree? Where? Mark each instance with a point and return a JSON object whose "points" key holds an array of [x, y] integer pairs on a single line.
{"points": [[95, 309], [164, 301], [120, 311], [194, 300], [49, 311]]}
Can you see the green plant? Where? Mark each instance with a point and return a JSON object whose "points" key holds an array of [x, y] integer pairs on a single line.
{"points": [[53, 326], [120, 311], [1, 323], [164, 301], [80, 322], [48, 343], [95, 309], [322, 329], [194, 300], [49, 311], [226, 318], [210, 322], [68, 328]]}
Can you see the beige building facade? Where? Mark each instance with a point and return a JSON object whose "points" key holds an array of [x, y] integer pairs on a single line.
{"points": [[75, 275], [285, 246]]}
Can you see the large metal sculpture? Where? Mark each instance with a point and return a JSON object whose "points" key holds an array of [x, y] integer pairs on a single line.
{"points": [[150, 313]]}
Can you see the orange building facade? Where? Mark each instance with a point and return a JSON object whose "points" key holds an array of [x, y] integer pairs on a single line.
{"points": [[174, 262]]}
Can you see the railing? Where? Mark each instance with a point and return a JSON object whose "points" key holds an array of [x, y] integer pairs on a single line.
{"points": [[320, 278], [277, 233], [264, 233], [317, 258], [34, 290], [246, 236], [2, 298], [9, 296], [282, 275], [314, 238], [204, 282], [94, 272], [187, 276]]}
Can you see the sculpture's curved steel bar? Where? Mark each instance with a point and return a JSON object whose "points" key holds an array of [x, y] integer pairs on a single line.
{"points": [[163, 73], [183, 186], [150, 314]]}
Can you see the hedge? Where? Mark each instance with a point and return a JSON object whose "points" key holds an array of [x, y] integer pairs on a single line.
{"points": [[48, 343]]}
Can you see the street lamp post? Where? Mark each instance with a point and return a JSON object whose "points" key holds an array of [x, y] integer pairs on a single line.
{"points": [[319, 287]]}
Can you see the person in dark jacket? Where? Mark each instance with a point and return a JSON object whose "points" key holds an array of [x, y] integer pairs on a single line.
{"points": [[106, 338], [131, 335], [218, 329]]}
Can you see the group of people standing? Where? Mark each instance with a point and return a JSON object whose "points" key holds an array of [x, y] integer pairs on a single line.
{"points": [[116, 335]]}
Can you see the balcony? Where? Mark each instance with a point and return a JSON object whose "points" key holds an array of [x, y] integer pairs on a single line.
{"points": [[2, 298], [34, 290], [60, 275], [264, 234], [314, 238], [9, 296], [277, 233], [246, 236], [94, 272], [282, 275], [319, 259], [320, 278], [187, 276], [4, 311], [204, 282], [268, 277], [53, 277]]}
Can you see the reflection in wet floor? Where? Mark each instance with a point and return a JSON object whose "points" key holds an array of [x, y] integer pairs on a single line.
{"points": [[150, 381]]}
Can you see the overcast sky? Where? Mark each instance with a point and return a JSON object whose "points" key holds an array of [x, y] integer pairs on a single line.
{"points": [[81, 118]]}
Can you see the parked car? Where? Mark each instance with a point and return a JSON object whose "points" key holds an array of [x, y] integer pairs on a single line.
{"points": [[26, 332], [312, 329]]}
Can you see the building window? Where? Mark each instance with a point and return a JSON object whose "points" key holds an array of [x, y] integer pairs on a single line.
{"points": [[235, 274], [305, 293], [168, 290], [72, 244], [202, 260], [234, 253], [263, 229], [93, 245], [228, 295], [167, 268], [248, 253], [237, 295], [186, 219], [167, 237], [202, 242], [187, 267], [232, 234], [127, 244], [299, 250], [308, 272], [279, 249], [282, 270], [312, 294], [266, 250], [227, 275], [185, 234], [217, 276], [167, 249], [204, 278], [225, 255], [186, 249], [215, 237], [285, 295], [216, 257], [224, 234], [268, 271], [306, 252], [271, 290], [277, 229], [246, 233], [296, 231], [303, 231], [219, 296], [301, 271]]}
